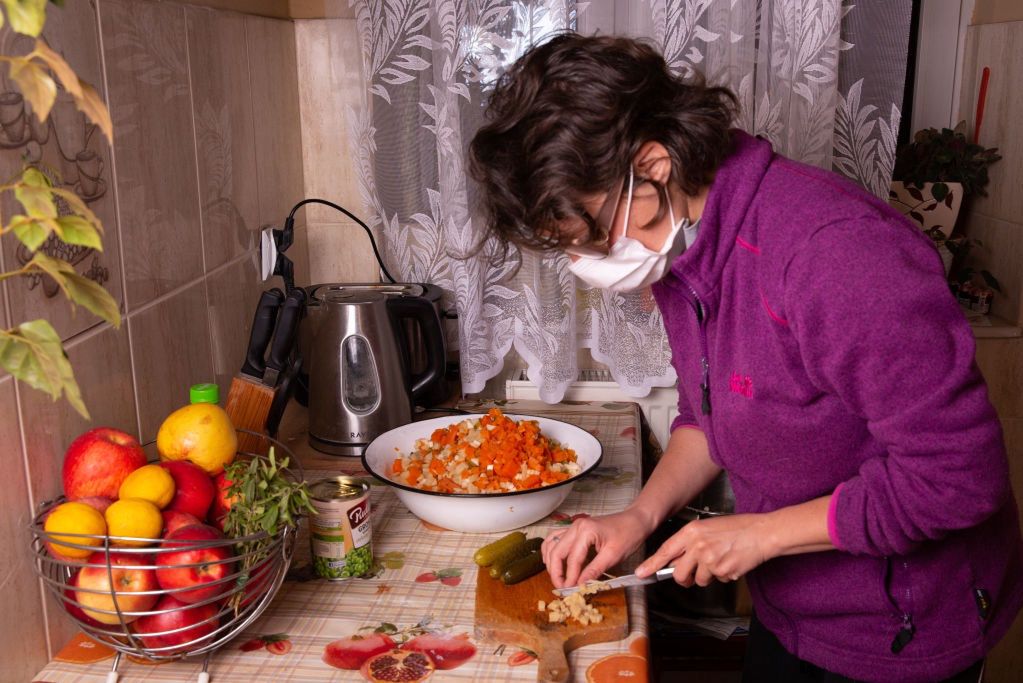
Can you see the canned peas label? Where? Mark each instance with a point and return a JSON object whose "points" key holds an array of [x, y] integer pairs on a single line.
{"points": [[341, 538]]}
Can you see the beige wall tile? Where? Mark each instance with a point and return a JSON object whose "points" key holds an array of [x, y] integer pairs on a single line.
{"points": [[76, 156], [1000, 47], [1001, 363], [233, 294], [341, 252], [330, 81], [273, 75], [224, 134], [1001, 253], [102, 365], [157, 190], [170, 343], [22, 631]]}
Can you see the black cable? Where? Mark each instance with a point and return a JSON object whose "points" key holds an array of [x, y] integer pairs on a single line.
{"points": [[290, 221]]}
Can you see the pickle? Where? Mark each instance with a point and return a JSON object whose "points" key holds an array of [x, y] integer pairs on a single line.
{"points": [[501, 562], [484, 557], [522, 568]]}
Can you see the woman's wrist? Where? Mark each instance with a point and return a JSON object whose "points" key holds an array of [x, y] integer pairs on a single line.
{"points": [[797, 529]]}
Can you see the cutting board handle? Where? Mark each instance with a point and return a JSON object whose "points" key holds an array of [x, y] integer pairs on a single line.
{"points": [[552, 664]]}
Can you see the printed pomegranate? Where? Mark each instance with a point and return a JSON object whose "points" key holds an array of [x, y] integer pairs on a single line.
{"points": [[398, 665], [353, 651], [446, 651]]}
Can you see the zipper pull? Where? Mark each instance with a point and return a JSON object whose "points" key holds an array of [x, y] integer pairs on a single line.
{"points": [[904, 635], [705, 387]]}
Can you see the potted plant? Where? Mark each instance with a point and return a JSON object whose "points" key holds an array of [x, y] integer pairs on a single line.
{"points": [[932, 176]]}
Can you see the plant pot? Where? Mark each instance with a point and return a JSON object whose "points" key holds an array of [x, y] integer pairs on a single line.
{"points": [[921, 206]]}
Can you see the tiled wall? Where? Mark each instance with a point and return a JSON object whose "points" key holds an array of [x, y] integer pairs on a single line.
{"points": [[997, 221], [207, 149]]}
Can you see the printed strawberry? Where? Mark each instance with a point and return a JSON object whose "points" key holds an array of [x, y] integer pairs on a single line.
{"points": [[450, 576], [628, 431], [279, 647], [521, 657], [427, 577]]}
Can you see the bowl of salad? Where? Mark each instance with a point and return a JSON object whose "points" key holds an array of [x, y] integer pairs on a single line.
{"points": [[483, 473]]}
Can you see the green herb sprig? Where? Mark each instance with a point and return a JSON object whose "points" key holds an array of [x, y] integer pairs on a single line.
{"points": [[264, 498]]}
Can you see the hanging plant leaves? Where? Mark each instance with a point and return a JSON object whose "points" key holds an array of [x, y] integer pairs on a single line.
{"points": [[35, 84], [76, 230], [26, 16], [30, 231], [32, 352], [91, 104], [79, 207], [79, 289], [35, 194]]}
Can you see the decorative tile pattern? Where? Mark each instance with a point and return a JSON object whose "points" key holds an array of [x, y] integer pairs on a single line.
{"points": [[22, 633], [157, 190], [224, 134], [170, 345], [233, 294], [75, 155], [275, 106]]}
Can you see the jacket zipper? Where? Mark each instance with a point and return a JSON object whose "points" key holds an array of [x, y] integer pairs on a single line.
{"points": [[701, 318], [907, 630]]}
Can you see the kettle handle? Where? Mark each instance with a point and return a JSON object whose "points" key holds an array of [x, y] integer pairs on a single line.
{"points": [[424, 313]]}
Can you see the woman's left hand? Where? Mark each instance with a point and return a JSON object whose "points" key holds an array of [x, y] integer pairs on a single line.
{"points": [[721, 548]]}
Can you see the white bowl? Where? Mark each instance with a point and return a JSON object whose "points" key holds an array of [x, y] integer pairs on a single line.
{"points": [[480, 512]]}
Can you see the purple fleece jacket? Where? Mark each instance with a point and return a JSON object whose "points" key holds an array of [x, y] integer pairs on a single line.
{"points": [[837, 362]]}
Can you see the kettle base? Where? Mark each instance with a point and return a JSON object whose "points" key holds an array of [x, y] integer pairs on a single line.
{"points": [[352, 450]]}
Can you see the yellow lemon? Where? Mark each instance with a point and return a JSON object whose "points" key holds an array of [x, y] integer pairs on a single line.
{"points": [[135, 518], [74, 518], [149, 482], [201, 433]]}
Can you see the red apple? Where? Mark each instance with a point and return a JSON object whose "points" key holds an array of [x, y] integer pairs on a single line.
{"points": [[98, 461], [194, 489], [101, 503], [174, 520], [198, 622], [134, 585], [73, 609], [211, 564], [222, 501]]}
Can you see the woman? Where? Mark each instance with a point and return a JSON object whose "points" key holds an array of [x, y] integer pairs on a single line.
{"points": [[821, 361]]}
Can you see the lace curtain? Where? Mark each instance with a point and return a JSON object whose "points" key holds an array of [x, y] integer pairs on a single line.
{"points": [[821, 79]]}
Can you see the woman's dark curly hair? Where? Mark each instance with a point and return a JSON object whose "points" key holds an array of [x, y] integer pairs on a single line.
{"points": [[565, 121]]}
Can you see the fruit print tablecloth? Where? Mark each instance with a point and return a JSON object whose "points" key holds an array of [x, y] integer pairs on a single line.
{"points": [[422, 594]]}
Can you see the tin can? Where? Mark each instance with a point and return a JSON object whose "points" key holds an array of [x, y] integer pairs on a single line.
{"points": [[340, 532]]}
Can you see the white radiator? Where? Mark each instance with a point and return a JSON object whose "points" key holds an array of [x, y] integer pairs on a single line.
{"points": [[659, 407]]}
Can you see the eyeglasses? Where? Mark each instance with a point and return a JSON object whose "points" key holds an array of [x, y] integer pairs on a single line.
{"points": [[605, 222]]}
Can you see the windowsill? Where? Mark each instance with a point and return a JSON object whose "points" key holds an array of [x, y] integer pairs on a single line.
{"points": [[991, 326]]}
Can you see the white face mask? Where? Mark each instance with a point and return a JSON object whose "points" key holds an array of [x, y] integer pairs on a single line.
{"points": [[629, 265]]}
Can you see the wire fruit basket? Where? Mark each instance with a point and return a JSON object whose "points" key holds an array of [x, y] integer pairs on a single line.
{"points": [[217, 586]]}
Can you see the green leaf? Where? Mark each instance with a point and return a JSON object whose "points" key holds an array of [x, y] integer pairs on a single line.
{"points": [[77, 206], [32, 352], [31, 232], [35, 194], [78, 288], [77, 230], [35, 84], [27, 16]]}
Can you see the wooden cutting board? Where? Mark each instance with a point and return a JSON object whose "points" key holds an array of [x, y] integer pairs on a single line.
{"points": [[508, 614]]}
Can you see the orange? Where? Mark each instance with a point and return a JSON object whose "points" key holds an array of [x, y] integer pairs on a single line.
{"points": [[135, 518], [149, 482], [74, 518], [201, 433], [630, 668]]}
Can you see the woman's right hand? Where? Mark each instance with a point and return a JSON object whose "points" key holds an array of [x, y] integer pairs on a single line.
{"points": [[614, 537]]}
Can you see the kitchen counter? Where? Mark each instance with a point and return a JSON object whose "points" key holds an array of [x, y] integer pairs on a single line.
{"points": [[309, 613]]}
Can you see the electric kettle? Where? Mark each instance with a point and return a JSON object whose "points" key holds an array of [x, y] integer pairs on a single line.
{"points": [[360, 384]]}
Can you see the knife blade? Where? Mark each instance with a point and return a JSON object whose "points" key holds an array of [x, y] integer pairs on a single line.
{"points": [[262, 329], [619, 582], [284, 336]]}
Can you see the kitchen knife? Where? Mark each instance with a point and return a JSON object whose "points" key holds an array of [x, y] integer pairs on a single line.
{"points": [[284, 336], [262, 329], [620, 582]]}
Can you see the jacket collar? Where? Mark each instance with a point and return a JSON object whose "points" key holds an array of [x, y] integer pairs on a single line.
{"points": [[731, 194]]}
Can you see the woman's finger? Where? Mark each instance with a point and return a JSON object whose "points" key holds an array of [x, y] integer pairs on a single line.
{"points": [[662, 557], [703, 576], [598, 565], [574, 560]]}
